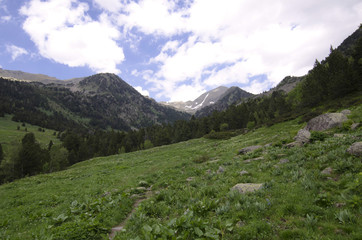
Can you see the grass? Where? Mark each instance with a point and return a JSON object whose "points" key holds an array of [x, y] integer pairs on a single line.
{"points": [[10, 135], [296, 202]]}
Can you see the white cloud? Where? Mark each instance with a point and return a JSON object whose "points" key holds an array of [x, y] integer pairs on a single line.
{"points": [[153, 17], [206, 43], [109, 5], [16, 51], [230, 41], [63, 32], [142, 91]]}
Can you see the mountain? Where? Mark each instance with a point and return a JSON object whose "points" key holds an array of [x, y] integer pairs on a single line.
{"points": [[286, 85], [206, 99], [233, 95], [348, 45], [28, 76], [99, 101]]}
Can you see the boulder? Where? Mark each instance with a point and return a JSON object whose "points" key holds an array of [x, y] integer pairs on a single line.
{"points": [[326, 121], [249, 149], [355, 149], [247, 187], [327, 171], [302, 137], [346, 112]]}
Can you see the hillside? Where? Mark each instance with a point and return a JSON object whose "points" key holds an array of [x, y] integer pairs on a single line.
{"points": [[190, 194], [99, 101]]}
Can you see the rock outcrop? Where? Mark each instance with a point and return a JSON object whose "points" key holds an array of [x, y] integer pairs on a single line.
{"points": [[326, 121]]}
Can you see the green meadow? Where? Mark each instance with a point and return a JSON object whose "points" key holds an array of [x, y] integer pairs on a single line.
{"points": [[191, 196], [10, 135]]}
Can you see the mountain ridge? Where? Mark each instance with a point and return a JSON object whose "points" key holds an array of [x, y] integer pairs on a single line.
{"points": [[98, 101]]}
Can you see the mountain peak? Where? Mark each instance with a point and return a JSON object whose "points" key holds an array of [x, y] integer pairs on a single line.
{"points": [[104, 83]]}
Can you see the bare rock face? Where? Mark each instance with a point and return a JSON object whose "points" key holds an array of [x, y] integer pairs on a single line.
{"points": [[303, 136], [247, 187], [355, 149], [326, 121]]}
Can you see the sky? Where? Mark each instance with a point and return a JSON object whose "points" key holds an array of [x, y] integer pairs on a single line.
{"points": [[174, 50]]}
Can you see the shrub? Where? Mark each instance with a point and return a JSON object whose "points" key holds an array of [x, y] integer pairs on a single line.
{"points": [[201, 159], [317, 136], [224, 127], [80, 230], [250, 125], [219, 135]]}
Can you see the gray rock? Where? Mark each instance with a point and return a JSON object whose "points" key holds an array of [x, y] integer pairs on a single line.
{"points": [[282, 161], [355, 149], [253, 159], [303, 136], [346, 112], [247, 187], [249, 149], [327, 171], [243, 172], [293, 144], [354, 126], [326, 121], [220, 170]]}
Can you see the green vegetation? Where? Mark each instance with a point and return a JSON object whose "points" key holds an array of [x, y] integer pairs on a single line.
{"points": [[24, 149], [10, 134], [191, 199]]}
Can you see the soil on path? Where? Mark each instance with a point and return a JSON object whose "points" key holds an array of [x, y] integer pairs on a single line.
{"points": [[119, 227]]}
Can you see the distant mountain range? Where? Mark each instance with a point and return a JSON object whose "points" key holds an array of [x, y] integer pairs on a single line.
{"points": [[99, 101]]}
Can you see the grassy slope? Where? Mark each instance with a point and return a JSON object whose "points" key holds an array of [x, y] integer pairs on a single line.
{"points": [[9, 133], [297, 201]]}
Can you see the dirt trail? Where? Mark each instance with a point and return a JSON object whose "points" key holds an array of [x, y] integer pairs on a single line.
{"points": [[119, 227]]}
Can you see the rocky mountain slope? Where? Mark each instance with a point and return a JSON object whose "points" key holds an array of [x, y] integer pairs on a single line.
{"points": [[98, 101], [231, 96], [206, 99]]}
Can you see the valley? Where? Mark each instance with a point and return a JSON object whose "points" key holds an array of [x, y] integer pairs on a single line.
{"points": [[82, 156]]}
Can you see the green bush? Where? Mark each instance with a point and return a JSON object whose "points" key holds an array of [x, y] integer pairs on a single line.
{"points": [[317, 136], [219, 135], [201, 159], [80, 230]]}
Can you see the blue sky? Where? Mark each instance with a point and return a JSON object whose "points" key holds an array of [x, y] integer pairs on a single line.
{"points": [[174, 50]]}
